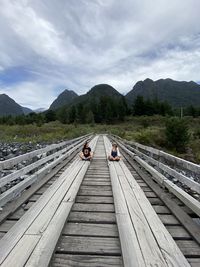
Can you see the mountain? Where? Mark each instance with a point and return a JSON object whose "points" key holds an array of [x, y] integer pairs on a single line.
{"points": [[65, 98], [26, 110], [9, 107], [176, 93], [102, 90], [39, 110], [96, 92]]}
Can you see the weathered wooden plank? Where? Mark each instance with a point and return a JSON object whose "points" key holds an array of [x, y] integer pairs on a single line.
{"points": [[169, 249], [161, 209], [11, 207], [149, 247], [155, 201], [7, 164], [189, 248], [168, 219], [15, 190], [5, 226], [188, 200], [194, 262], [150, 194], [172, 255], [1, 234], [17, 231], [182, 178], [96, 187], [90, 245], [28, 205], [88, 229], [25, 245], [129, 243], [101, 183], [93, 207], [68, 190], [94, 199], [103, 217], [98, 180], [178, 232], [37, 164], [97, 176], [17, 214], [97, 192], [51, 229], [43, 189], [63, 260], [101, 172], [34, 198], [145, 188], [186, 220], [43, 251], [173, 159]]}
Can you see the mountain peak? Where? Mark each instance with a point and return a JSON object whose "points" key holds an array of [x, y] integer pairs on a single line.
{"points": [[103, 89], [8, 106], [148, 80], [177, 93], [65, 98]]}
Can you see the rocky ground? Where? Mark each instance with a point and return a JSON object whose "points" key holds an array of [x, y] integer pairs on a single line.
{"points": [[10, 150]]}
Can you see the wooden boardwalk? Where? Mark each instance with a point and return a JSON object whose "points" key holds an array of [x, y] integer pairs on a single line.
{"points": [[90, 236], [101, 213]]}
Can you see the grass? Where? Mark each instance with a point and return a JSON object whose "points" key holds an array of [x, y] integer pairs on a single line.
{"points": [[145, 130]]}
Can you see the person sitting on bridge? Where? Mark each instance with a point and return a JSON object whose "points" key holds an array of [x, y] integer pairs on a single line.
{"points": [[114, 155], [86, 153]]}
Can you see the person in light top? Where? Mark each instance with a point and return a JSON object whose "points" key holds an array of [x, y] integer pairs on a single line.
{"points": [[114, 155]]}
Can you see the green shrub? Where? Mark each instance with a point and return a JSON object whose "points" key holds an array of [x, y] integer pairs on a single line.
{"points": [[177, 134]]}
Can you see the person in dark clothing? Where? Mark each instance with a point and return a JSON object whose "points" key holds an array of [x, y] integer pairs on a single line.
{"points": [[86, 153], [114, 155]]}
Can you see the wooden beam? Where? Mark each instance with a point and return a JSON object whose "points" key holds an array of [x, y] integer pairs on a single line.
{"points": [[40, 220], [189, 201], [9, 163]]}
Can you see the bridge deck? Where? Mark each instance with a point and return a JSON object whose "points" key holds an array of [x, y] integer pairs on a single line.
{"points": [[90, 236], [102, 217]]}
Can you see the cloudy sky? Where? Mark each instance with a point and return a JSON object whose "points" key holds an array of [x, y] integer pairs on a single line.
{"points": [[47, 46]]}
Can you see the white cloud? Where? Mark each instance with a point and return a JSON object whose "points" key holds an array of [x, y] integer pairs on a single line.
{"points": [[77, 44], [30, 94]]}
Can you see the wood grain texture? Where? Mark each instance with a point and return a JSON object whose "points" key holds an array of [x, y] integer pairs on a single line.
{"points": [[21, 252], [94, 199], [7, 164], [5, 226], [194, 262], [178, 232], [169, 249], [171, 203], [8, 242], [90, 245], [189, 248], [88, 229], [63, 260], [129, 243], [168, 219], [25, 195], [93, 192], [141, 210], [93, 207]]}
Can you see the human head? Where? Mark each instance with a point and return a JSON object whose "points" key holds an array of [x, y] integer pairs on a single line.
{"points": [[114, 145], [86, 144]]}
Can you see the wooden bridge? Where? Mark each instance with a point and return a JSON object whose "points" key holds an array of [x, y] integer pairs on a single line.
{"points": [[57, 210]]}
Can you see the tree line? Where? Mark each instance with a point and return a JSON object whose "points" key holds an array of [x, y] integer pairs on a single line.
{"points": [[104, 110]]}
